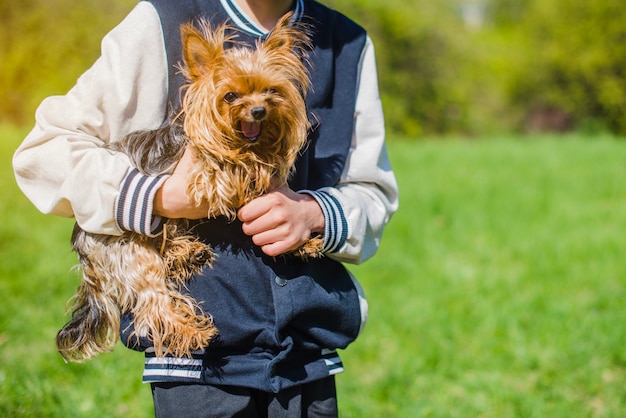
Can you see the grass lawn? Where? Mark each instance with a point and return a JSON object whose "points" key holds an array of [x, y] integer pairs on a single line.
{"points": [[499, 291]]}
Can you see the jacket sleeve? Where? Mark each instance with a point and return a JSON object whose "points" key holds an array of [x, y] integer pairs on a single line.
{"points": [[358, 208], [63, 165]]}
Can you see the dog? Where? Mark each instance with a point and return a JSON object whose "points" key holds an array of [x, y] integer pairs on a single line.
{"points": [[243, 115]]}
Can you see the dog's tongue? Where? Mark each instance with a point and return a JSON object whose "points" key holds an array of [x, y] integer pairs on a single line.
{"points": [[251, 129]]}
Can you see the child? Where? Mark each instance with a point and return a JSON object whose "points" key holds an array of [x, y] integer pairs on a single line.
{"points": [[280, 319]]}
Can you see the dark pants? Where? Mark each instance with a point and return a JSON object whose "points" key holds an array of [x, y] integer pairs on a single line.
{"points": [[315, 399]]}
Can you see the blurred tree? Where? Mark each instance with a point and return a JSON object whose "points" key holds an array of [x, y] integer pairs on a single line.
{"points": [[421, 53], [450, 66], [46, 45], [575, 63]]}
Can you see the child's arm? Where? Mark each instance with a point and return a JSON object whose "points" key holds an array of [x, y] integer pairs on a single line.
{"points": [[367, 194], [62, 166]]}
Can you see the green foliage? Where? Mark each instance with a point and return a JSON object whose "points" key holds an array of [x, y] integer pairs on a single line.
{"points": [[421, 56], [45, 47], [575, 60], [497, 292], [529, 60], [549, 65]]}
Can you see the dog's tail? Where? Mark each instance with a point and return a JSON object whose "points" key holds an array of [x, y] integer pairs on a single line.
{"points": [[92, 329]]}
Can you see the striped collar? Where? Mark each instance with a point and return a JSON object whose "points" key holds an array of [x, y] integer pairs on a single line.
{"points": [[246, 24]]}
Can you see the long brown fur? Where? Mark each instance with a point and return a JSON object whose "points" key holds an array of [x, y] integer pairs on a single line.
{"points": [[244, 115], [234, 169]]}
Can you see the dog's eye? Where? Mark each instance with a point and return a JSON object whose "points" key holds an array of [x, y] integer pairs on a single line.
{"points": [[230, 97], [272, 91]]}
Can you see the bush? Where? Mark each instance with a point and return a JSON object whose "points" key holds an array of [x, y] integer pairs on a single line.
{"points": [[46, 46], [575, 62], [421, 54], [531, 64]]}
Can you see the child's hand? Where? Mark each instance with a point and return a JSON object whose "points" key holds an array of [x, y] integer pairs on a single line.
{"points": [[171, 200], [281, 220]]}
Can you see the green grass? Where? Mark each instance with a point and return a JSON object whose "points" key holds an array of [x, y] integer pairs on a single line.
{"points": [[36, 280], [498, 291]]}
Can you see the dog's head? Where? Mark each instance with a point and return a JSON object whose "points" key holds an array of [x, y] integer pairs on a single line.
{"points": [[242, 100]]}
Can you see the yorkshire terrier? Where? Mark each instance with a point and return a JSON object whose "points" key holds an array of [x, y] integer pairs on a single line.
{"points": [[243, 115]]}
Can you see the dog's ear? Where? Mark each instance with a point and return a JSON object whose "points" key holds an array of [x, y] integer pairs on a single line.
{"points": [[196, 51], [289, 35], [202, 47], [286, 49]]}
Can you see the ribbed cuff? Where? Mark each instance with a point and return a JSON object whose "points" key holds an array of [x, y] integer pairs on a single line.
{"points": [[134, 204], [335, 222]]}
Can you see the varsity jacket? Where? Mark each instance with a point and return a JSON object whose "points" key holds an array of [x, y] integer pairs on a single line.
{"points": [[281, 319]]}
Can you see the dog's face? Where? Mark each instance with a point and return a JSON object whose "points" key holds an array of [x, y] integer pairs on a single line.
{"points": [[242, 98], [257, 102]]}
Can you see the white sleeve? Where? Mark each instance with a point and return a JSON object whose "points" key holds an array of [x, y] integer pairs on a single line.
{"points": [[62, 166], [359, 207]]}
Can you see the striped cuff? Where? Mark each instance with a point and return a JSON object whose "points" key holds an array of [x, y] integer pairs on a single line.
{"points": [[335, 222], [133, 208]]}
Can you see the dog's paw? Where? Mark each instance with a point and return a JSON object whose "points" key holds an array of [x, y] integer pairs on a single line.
{"points": [[201, 257], [311, 249]]}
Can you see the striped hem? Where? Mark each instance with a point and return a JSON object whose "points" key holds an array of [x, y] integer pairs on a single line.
{"points": [[167, 369], [336, 224], [333, 362], [134, 204], [174, 369]]}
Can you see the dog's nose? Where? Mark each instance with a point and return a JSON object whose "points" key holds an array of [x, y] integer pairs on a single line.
{"points": [[258, 113]]}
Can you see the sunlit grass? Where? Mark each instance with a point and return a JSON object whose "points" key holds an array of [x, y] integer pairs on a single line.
{"points": [[498, 292], [36, 279], [499, 288]]}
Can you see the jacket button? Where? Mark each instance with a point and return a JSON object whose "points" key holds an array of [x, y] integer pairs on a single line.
{"points": [[280, 281]]}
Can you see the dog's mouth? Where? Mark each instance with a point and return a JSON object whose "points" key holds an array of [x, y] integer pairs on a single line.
{"points": [[250, 130]]}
